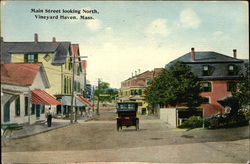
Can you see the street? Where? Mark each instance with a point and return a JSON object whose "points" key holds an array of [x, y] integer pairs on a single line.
{"points": [[98, 141]]}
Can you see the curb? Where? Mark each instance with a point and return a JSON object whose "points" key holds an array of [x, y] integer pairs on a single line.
{"points": [[46, 130]]}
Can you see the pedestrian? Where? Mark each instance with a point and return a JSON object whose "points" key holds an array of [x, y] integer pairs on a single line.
{"points": [[49, 117]]}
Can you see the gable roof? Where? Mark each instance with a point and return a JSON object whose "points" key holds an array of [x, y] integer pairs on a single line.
{"points": [[59, 48], [20, 73]]}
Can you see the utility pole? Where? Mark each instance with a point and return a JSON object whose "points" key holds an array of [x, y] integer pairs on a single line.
{"points": [[73, 87], [72, 90], [98, 98]]}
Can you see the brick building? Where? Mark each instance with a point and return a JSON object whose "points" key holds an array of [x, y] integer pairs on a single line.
{"points": [[217, 73], [132, 89]]}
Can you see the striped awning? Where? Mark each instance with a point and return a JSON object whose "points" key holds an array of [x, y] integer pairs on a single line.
{"points": [[66, 100], [41, 97], [86, 101]]}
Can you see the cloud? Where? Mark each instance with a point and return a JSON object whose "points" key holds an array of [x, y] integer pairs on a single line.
{"points": [[217, 33], [94, 25], [114, 61], [189, 19], [158, 26]]}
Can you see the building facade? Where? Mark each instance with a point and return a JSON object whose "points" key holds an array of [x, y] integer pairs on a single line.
{"points": [[132, 89], [217, 73], [23, 99], [57, 59]]}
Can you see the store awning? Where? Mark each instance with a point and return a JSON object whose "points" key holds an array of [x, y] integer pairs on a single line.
{"points": [[41, 97], [86, 101], [66, 100]]}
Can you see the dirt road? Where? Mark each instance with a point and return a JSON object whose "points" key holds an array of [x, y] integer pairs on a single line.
{"points": [[98, 140]]}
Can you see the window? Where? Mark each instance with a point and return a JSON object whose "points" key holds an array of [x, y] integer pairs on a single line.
{"points": [[17, 106], [206, 87], [206, 70], [69, 86], [136, 92], [70, 65], [43, 109], [26, 105], [231, 86], [31, 58], [33, 109], [205, 100], [79, 87], [65, 85], [232, 70], [139, 92], [75, 85], [78, 70]]}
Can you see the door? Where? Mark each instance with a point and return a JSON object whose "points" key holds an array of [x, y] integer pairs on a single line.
{"points": [[6, 112], [38, 111]]}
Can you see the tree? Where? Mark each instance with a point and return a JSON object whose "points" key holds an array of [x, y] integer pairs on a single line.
{"points": [[105, 93], [242, 90], [177, 85]]}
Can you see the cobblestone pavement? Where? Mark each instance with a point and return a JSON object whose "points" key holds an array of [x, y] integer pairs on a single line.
{"points": [[98, 141]]}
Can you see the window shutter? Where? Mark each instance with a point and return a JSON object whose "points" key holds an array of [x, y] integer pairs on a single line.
{"points": [[35, 58]]}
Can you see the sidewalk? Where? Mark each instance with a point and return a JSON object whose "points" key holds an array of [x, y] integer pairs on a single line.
{"points": [[40, 127]]}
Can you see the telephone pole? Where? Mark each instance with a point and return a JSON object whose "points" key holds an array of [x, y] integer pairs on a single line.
{"points": [[73, 88], [98, 98]]}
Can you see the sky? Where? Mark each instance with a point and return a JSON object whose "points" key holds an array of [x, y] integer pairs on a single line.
{"points": [[128, 36]]}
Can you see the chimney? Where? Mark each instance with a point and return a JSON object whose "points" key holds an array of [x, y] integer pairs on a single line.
{"points": [[54, 39], [135, 73], [235, 53], [139, 71], [193, 54], [35, 37]]}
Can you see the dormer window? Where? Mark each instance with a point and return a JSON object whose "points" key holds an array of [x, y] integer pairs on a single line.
{"points": [[232, 70], [206, 70], [31, 58]]}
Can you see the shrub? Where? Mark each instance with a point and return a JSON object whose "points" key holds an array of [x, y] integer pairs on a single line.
{"points": [[192, 122], [225, 121]]}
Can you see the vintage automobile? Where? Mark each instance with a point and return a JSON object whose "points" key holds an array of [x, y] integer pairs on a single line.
{"points": [[127, 115]]}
